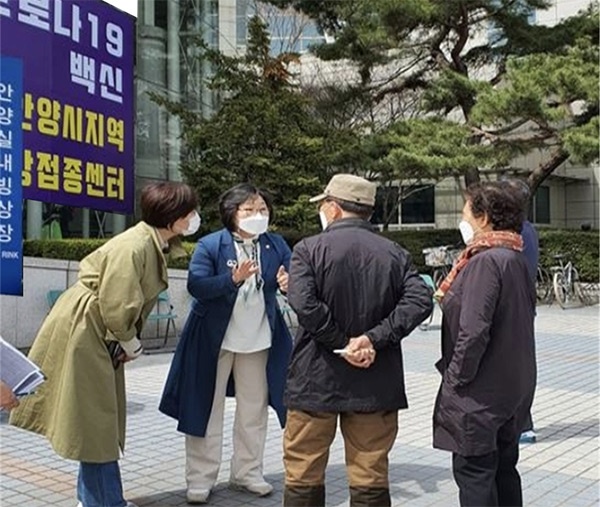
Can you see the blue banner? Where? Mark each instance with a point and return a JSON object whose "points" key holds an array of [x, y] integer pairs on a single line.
{"points": [[11, 162]]}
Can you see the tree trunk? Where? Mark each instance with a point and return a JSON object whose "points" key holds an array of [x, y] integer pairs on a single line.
{"points": [[538, 175]]}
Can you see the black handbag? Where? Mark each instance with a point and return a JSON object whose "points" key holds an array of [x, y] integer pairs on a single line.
{"points": [[116, 351]]}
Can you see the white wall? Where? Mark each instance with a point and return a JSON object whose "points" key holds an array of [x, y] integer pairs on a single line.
{"points": [[574, 198], [227, 27], [583, 198], [559, 10], [21, 317]]}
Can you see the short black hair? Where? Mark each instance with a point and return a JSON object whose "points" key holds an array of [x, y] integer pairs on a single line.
{"points": [[500, 202], [232, 199], [163, 203], [363, 211]]}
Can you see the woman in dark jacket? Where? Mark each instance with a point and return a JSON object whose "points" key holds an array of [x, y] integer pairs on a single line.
{"points": [[235, 329], [488, 355]]}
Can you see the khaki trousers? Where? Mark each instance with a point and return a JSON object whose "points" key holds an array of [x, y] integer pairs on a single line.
{"points": [[368, 439], [203, 454]]}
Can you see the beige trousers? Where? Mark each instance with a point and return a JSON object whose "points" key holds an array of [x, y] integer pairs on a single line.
{"points": [[203, 454], [368, 439]]}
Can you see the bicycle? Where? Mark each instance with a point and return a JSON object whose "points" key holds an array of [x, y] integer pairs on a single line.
{"points": [[591, 293], [441, 259], [565, 283], [543, 286]]}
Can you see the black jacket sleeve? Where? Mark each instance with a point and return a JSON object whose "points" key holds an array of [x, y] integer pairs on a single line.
{"points": [[481, 289], [313, 314], [413, 307]]}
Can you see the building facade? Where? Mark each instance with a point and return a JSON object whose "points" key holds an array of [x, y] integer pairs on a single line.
{"points": [[166, 35], [569, 198], [167, 31]]}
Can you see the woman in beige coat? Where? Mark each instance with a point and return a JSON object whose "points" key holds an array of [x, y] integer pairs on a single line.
{"points": [[81, 406]]}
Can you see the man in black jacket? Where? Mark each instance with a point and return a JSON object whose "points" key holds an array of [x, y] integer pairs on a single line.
{"points": [[356, 296]]}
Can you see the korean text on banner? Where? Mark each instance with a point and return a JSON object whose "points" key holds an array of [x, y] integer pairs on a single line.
{"points": [[11, 155], [78, 100]]}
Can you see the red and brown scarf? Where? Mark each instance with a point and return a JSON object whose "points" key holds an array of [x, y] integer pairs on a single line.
{"points": [[483, 241]]}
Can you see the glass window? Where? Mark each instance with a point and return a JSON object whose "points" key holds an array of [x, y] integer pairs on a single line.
{"points": [[311, 30], [241, 16], [241, 30], [160, 14], [541, 206], [307, 44], [286, 25], [419, 205], [385, 205], [275, 46]]}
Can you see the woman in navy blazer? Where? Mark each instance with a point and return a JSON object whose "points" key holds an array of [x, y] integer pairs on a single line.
{"points": [[235, 333]]}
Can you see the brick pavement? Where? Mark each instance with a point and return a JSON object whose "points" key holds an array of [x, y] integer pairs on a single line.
{"points": [[561, 469]]}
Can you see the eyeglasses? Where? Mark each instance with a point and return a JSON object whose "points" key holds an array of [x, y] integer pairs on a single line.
{"points": [[252, 211]]}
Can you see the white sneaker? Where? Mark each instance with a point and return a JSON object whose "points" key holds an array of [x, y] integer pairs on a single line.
{"points": [[261, 488], [528, 437], [197, 496]]}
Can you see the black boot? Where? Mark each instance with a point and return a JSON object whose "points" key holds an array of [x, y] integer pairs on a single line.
{"points": [[304, 496], [370, 497]]}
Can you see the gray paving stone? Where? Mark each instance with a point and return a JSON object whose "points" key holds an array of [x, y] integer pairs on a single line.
{"points": [[561, 469]]}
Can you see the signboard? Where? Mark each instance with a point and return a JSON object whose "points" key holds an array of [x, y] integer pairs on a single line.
{"points": [[77, 100], [11, 155]]}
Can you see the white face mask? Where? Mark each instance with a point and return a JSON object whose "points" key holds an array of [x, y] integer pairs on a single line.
{"points": [[254, 225], [323, 219], [193, 225], [466, 231]]}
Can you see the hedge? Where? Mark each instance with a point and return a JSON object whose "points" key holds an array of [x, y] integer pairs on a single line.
{"points": [[581, 247], [77, 249]]}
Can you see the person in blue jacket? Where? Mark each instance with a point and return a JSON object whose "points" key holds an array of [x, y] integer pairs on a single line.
{"points": [[531, 250], [235, 337]]}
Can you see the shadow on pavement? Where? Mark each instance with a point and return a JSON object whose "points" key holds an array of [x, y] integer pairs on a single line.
{"points": [[564, 430], [135, 407], [427, 477]]}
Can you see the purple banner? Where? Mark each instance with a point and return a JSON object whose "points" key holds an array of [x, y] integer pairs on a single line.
{"points": [[78, 100]]}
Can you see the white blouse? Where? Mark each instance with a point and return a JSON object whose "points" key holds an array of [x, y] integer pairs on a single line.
{"points": [[248, 329]]}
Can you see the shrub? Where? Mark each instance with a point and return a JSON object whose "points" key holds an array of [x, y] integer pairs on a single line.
{"points": [[412, 240], [416, 241], [581, 247], [183, 262], [68, 249], [77, 249]]}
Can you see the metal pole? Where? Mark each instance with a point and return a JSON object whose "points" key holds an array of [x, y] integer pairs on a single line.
{"points": [[118, 223], [209, 28], [85, 222], [34, 219], [174, 87]]}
